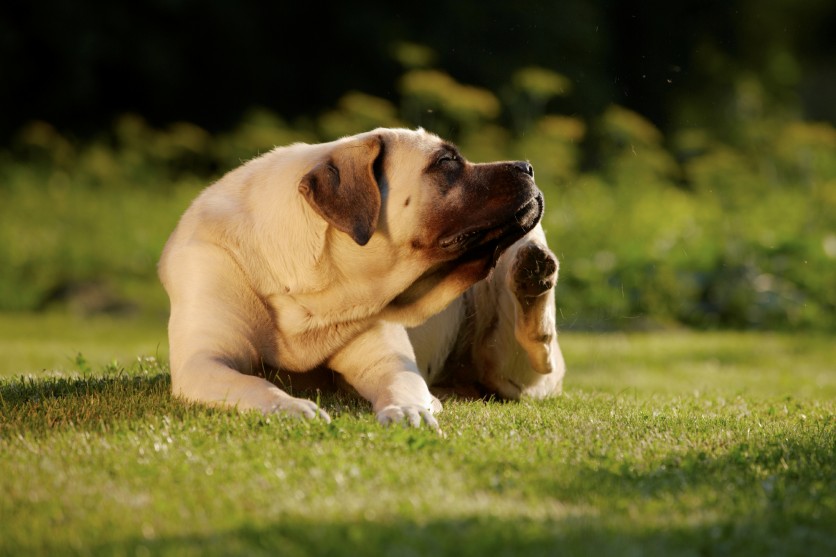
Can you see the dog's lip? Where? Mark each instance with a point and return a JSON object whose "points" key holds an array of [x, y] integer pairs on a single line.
{"points": [[454, 241], [526, 218]]}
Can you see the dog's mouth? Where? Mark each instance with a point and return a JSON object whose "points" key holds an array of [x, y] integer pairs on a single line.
{"points": [[496, 235], [480, 245]]}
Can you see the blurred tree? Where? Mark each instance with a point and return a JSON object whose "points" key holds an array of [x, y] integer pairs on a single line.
{"points": [[530, 91], [451, 107], [80, 64]]}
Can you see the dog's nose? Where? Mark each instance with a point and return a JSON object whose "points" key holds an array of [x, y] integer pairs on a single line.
{"points": [[523, 166]]}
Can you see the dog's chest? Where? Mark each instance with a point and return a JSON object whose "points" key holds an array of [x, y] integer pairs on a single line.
{"points": [[305, 340]]}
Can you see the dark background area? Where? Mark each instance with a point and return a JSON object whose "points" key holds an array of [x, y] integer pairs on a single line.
{"points": [[79, 64]]}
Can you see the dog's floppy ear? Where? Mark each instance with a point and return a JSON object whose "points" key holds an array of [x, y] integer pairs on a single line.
{"points": [[343, 189]]}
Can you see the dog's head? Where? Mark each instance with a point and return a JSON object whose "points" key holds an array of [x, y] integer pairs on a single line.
{"points": [[412, 191]]}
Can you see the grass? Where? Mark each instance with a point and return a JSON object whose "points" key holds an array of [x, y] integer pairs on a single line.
{"points": [[668, 444]]}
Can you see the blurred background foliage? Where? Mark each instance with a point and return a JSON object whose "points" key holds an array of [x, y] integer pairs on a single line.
{"points": [[687, 150]]}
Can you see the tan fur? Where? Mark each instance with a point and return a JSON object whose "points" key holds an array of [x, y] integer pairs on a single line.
{"points": [[315, 256]]}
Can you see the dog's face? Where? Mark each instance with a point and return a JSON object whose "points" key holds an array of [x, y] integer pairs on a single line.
{"points": [[414, 194]]}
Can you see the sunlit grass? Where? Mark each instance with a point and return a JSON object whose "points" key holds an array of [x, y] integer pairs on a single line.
{"points": [[685, 362], [664, 444]]}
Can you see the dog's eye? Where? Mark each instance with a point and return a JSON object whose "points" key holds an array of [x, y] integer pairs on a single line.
{"points": [[447, 158]]}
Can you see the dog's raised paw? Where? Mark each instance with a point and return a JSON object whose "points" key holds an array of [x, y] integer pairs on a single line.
{"points": [[534, 271]]}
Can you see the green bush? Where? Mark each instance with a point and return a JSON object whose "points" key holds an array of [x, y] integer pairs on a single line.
{"points": [[659, 232], [727, 238]]}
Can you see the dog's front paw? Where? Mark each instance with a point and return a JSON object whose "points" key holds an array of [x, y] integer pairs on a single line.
{"points": [[412, 414], [297, 408], [534, 271]]}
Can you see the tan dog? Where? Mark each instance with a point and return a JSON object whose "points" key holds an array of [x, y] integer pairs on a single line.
{"points": [[319, 255]]}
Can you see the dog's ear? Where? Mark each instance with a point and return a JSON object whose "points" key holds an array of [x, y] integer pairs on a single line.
{"points": [[343, 189]]}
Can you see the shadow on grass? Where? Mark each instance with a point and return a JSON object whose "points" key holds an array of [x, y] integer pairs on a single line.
{"points": [[486, 535], [47, 403], [773, 496], [772, 499]]}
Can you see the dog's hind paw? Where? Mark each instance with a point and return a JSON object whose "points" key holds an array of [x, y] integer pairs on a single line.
{"points": [[534, 271]]}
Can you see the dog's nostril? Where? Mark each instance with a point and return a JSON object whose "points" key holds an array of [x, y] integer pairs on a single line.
{"points": [[524, 167]]}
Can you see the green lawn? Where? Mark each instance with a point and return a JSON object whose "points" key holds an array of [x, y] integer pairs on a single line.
{"points": [[664, 444]]}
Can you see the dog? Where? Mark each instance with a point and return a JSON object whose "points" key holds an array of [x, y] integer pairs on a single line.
{"points": [[317, 256]]}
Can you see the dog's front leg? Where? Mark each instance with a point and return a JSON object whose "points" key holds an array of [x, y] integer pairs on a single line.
{"points": [[380, 365]]}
